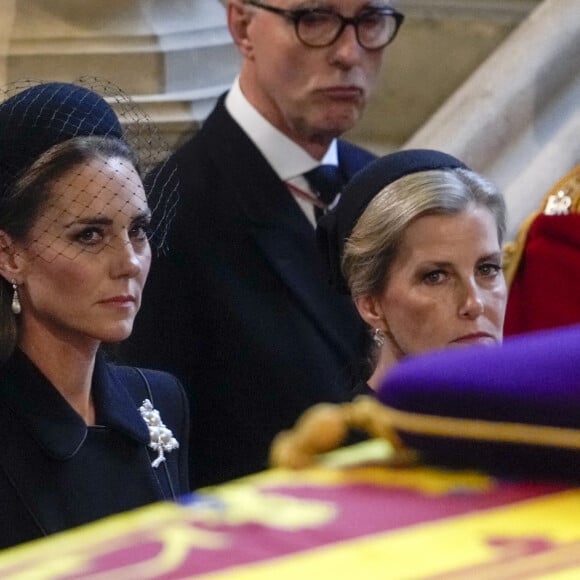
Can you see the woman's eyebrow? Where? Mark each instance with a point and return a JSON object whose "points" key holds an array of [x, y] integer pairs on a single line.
{"points": [[106, 221], [96, 220], [492, 256], [436, 263], [145, 214]]}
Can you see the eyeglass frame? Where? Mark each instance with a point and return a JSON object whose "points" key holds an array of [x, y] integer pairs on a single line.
{"points": [[296, 15]]}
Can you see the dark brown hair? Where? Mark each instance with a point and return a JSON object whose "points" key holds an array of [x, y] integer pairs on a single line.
{"points": [[26, 199]]}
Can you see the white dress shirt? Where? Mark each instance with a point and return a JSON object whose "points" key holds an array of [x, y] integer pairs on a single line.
{"points": [[286, 158]]}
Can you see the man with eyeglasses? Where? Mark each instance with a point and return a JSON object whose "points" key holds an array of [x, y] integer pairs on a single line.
{"points": [[240, 308]]}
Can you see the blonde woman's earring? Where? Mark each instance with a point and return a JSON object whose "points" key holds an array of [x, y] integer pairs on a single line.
{"points": [[378, 337], [16, 306]]}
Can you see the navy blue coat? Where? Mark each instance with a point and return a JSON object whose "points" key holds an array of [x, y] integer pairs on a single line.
{"points": [[241, 309], [56, 473]]}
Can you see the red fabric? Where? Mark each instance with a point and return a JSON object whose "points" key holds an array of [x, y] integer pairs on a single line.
{"points": [[545, 292]]}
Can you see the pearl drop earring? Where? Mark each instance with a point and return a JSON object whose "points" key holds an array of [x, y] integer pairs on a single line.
{"points": [[16, 306]]}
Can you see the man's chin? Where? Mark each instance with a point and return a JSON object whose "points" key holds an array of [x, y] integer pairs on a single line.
{"points": [[334, 127], [341, 120]]}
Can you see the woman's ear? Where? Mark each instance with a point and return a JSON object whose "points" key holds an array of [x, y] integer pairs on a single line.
{"points": [[10, 264], [238, 22], [370, 310]]}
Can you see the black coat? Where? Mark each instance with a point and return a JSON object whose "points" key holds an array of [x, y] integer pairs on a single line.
{"points": [[56, 473], [240, 309]]}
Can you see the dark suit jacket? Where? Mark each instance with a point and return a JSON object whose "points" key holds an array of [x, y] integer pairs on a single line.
{"points": [[57, 473], [240, 308]]}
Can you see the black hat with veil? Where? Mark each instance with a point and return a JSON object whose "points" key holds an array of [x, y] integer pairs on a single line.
{"points": [[35, 117]]}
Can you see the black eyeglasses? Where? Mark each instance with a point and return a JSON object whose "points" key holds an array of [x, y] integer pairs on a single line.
{"points": [[319, 27]]}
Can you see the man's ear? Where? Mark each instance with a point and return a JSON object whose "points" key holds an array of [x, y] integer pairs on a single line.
{"points": [[238, 22], [11, 266], [370, 310]]}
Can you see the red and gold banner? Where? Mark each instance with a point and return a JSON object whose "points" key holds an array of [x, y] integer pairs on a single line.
{"points": [[363, 520]]}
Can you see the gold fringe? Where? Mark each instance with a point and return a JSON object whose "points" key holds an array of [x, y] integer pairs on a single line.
{"points": [[476, 429], [324, 427]]}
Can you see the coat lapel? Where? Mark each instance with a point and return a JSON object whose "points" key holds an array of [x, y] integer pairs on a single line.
{"points": [[52, 441]]}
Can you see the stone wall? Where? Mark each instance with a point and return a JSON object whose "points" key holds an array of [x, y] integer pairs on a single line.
{"points": [[174, 57], [517, 117]]}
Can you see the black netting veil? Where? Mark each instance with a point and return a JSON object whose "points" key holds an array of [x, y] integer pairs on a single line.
{"points": [[38, 118]]}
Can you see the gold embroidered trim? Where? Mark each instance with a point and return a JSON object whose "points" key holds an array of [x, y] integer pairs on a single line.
{"points": [[324, 427], [504, 432]]}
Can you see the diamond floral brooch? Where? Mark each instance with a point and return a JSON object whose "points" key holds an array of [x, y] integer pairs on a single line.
{"points": [[162, 439]]}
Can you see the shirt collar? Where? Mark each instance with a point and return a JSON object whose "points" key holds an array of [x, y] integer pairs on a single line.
{"points": [[285, 157], [52, 422]]}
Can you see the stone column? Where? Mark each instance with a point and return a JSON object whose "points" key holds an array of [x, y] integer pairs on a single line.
{"points": [[517, 118], [174, 57]]}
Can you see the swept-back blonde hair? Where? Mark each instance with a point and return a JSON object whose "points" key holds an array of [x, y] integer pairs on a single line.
{"points": [[376, 238]]}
